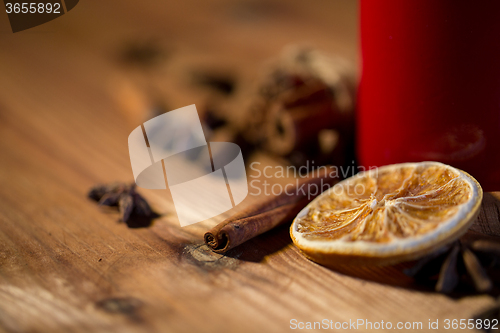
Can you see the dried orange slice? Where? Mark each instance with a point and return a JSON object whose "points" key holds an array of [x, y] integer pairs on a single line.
{"points": [[387, 215]]}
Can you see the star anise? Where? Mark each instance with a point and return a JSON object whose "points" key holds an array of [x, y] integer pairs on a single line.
{"points": [[144, 54], [459, 263], [132, 206]]}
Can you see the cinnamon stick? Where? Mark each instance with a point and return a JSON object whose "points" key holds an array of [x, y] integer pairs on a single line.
{"points": [[296, 118], [266, 215]]}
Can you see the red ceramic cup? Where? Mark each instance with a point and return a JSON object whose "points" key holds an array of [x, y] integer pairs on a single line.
{"points": [[430, 85]]}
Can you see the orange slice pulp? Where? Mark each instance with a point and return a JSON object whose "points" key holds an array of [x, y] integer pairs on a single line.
{"points": [[387, 215]]}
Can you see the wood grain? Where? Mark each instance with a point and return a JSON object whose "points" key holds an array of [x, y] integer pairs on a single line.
{"points": [[67, 265]]}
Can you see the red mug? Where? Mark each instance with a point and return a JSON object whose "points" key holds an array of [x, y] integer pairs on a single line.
{"points": [[430, 85]]}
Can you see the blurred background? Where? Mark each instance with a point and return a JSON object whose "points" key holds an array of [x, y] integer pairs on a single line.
{"points": [[254, 69], [278, 78]]}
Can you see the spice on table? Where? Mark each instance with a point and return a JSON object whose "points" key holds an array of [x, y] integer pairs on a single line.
{"points": [[142, 54], [400, 212], [301, 94], [299, 108], [222, 83], [453, 264], [266, 215], [124, 196]]}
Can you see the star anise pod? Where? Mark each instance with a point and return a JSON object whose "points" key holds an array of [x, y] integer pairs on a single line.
{"points": [[458, 263], [124, 196], [144, 54]]}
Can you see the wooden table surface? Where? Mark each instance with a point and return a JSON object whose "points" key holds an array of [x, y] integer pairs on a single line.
{"points": [[66, 109]]}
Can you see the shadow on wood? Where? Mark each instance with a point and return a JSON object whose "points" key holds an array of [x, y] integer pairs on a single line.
{"points": [[141, 221], [256, 249]]}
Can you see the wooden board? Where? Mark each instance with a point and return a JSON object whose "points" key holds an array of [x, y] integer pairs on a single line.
{"points": [[67, 265]]}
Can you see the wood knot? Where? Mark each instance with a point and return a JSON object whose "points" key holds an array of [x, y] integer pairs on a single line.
{"points": [[202, 256]]}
